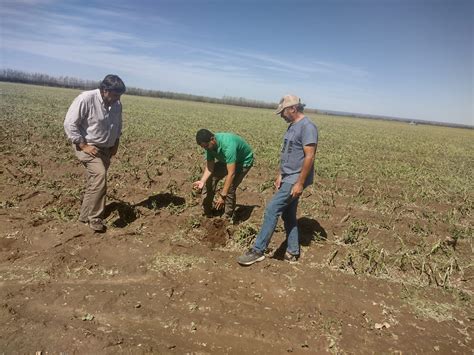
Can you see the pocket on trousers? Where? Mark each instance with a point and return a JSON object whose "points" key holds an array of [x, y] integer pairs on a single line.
{"points": [[286, 189], [82, 156]]}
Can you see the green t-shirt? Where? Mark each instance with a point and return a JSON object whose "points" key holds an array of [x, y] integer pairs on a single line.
{"points": [[231, 148]]}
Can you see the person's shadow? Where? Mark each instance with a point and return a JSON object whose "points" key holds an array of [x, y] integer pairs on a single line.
{"points": [[160, 201], [243, 213], [309, 231], [128, 213]]}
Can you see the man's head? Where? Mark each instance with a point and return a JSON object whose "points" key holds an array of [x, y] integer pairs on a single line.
{"points": [[290, 108], [206, 139], [111, 88]]}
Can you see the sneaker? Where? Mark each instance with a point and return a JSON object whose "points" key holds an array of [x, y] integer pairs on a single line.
{"points": [[250, 257], [97, 225], [291, 258]]}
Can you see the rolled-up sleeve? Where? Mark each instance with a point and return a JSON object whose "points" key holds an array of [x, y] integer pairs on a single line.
{"points": [[74, 117]]}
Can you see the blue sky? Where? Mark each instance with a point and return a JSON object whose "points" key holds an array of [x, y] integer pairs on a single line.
{"points": [[402, 58]]}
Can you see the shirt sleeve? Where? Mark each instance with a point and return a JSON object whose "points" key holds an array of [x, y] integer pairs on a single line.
{"points": [[74, 116], [230, 153], [309, 135]]}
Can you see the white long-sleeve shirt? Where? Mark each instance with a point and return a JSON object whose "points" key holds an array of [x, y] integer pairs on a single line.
{"points": [[89, 120]]}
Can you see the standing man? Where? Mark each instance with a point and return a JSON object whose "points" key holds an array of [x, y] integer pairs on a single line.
{"points": [[234, 160], [93, 125], [296, 172]]}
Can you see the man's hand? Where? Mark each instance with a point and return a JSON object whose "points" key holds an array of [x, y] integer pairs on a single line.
{"points": [[219, 203], [277, 182], [198, 185], [89, 149], [297, 190]]}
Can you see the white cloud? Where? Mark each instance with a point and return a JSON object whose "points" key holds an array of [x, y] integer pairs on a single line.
{"points": [[176, 65], [27, 2]]}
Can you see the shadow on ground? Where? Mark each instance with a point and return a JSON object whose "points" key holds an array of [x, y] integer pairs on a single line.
{"points": [[159, 201], [243, 212], [309, 231], [128, 213]]}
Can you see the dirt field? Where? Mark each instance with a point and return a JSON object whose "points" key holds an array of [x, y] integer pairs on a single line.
{"points": [[163, 279]]}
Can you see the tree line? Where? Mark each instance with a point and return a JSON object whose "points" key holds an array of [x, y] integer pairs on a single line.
{"points": [[17, 76]]}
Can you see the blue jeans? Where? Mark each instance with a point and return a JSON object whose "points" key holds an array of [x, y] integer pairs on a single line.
{"points": [[282, 204]]}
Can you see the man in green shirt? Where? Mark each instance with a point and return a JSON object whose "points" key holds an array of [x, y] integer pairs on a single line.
{"points": [[227, 155]]}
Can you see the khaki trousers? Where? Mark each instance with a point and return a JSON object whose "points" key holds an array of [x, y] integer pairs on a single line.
{"points": [[93, 203], [209, 190]]}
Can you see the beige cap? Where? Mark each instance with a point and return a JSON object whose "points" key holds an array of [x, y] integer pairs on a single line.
{"points": [[287, 101]]}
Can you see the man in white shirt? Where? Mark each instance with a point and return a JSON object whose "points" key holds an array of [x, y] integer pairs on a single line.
{"points": [[93, 124]]}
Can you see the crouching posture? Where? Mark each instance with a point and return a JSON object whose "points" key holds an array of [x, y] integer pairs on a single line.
{"points": [[93, 125], [296, 172], [227, 156]]}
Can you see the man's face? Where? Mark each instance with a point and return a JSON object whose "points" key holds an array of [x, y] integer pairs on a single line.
{"points": [[286, 114], [209, 145], [110, 97]]}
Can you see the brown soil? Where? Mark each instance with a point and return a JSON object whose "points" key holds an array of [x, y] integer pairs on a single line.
{"points": [[163, 279]]}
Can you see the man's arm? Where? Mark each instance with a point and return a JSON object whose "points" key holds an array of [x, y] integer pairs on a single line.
{"points": [[309, 154], [228, 179], [74, 117], [227, 183], [209, 168], [277, 182]]}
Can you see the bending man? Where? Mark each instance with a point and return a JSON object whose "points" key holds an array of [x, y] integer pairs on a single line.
{"points": [[227, 155]]}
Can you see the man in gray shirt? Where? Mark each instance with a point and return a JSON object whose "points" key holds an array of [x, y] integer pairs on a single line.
{"points": [[296, 172], [93, 125]]}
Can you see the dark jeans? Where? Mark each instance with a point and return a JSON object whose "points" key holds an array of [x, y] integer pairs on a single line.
{"points": [[209, 190]]}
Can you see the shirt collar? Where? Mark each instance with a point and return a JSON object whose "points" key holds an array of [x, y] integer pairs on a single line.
{"points": [[292, 124], [219, 148], [99, 96], [101, 100]]}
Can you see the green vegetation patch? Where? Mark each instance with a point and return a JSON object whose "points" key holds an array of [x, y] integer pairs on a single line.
{"points": [[174, 263]]}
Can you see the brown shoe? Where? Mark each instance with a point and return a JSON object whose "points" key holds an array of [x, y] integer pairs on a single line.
{"points": [[97, 225]]}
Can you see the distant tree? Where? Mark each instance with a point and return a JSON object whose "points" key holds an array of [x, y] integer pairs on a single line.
{"points": [[17, 76]]}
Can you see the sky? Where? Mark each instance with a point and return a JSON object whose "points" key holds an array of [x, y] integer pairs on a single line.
{"points": [[401, 58]]}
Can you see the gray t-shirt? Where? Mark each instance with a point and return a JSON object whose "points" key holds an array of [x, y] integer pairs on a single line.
{"points": [[297, 136]]}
